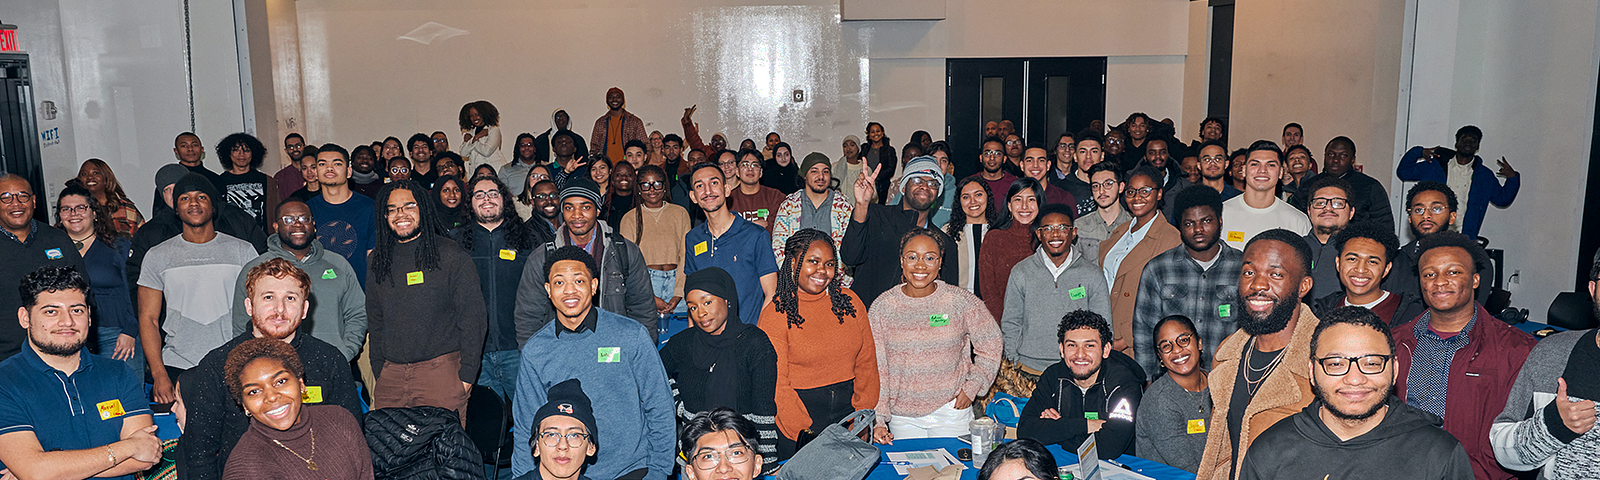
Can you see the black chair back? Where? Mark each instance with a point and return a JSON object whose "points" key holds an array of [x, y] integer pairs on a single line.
{"points": [[1572, 311]]}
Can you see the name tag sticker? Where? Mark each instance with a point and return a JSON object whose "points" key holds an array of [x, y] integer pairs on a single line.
{"points": [[762, 213], [109, 409], [53, 254], [1236, 236], [938, 320], [1077, 293], [508, 254], [1197, 425], [414, 278], [312, 394], [1225, 310], [610, 354], [1091, 415], [329, 275], [700, 248]]}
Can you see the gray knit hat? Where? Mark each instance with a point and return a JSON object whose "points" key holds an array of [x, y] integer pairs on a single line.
{"points": [[582, 187]]}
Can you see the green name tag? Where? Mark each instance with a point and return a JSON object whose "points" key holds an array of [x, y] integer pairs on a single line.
{"points": [[939, 320], [1077, 293], [1225, 310], [1091, 415], [762, 213], [329, 275], [610, 354]]}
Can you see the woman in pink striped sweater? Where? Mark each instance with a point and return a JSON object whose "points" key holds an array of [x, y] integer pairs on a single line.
{"points": [[927, 334]]}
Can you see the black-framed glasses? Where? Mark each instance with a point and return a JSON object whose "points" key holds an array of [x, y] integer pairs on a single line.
{"points": [[482, 194], [79, 209], [649, 186], [1106, 185], [1139, 192], [1334, 203], [1183, 341], [546, 196], [707, 459], [553, 439], [1436, 210], [1367, 364], [15, 197], [294, 219]]}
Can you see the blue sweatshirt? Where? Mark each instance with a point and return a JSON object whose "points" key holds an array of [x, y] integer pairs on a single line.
{"points": [[621, 373]]}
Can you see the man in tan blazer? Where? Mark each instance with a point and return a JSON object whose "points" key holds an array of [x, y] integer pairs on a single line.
{"points": [[1130, 247], [1261, 374]]}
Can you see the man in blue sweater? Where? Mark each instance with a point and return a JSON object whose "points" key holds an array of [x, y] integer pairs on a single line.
{"points": [[1464, 172], [608, 353]]}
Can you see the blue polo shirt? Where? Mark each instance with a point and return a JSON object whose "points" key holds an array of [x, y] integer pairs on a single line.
{"points": [[745, 251], [76, 411]]}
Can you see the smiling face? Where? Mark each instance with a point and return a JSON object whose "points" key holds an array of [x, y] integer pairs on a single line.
{"points": [[1270, 286], [818, 177], [1449, 279], [874, 133], [271, 393], [614, 99], [728, 162], [1262, 170], [295, 226], [1354, 395], [526, 149], [92, 178], [1178, 348], [474, 117], [1056, 235], [920, 262], [391, 149], [1083, 352], [571, 288], [77, 216], [295, 145], [362, 161], [1023, 206], [725, 443], [403, 214], [1299, 161], [1064, 150], [1035, 163], [1200, 227], [600, 172], [652, 188], [58, 322], [1138, 128], [783, 156], [1211, 131], [488, 205], [194, 208], [817, 268], [708, 312], [450, 194], [579, 214], [622, 179], [399, 169], [276, 306], [1327, 219], [1292, 136], [1142, 195], [562, 460], [921, 192], [1362, 265], [1116, 143], [750, 169], [441, 143], [708, 189], [547, 201], [1155, 152], [974, 203]]}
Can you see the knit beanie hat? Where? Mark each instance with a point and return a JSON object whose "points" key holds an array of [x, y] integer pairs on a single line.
{"points": [[169, 174], [853, 139], [715, 281], [193, 182], [582, 187], [924, 167], [567, 399], [813, 158]]}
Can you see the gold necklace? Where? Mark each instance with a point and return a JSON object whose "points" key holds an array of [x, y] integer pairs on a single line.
{"points": [[1254, 385], [309, 464]]}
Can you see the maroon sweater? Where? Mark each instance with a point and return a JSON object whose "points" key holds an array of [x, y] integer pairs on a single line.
{"points": [[340, 454]]}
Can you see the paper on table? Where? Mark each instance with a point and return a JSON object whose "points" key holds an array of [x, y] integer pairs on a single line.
{"points": [[905, 461], [1110, 471]]}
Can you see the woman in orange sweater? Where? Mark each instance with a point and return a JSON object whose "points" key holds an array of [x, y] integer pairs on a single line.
{"points": [[827, 362]]}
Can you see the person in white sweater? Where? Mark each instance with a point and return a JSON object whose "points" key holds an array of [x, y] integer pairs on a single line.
{"points": [[480, 135], [1258, 209]]}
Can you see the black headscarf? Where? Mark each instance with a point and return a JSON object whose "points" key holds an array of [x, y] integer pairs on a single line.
{"points": [[723, 386]]}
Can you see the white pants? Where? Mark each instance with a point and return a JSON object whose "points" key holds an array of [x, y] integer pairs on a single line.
{"points": [[947, 421]]}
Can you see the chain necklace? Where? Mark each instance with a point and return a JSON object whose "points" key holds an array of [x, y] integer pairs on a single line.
{"points": [[309, 463], [1254, 385], [78, 242]]}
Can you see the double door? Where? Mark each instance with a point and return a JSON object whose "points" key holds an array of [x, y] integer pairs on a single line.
{"points": [[1042, 97]]}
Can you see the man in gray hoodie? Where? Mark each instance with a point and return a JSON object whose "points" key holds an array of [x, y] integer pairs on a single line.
{"points": [[338, 309], [1057, 278]]}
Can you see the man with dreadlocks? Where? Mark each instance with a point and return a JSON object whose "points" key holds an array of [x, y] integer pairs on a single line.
{"points": [[499, 243], [425, 315], [827, 361]]}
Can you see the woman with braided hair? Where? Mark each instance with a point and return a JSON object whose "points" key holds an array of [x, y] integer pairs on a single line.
{"points": [[827, 362]]}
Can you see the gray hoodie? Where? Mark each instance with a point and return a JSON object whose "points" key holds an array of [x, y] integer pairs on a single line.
{"points": [[338, 308], [1036, 301]]}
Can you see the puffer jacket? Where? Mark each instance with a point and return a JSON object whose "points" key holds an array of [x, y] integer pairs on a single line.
{"points": [[421, 443]]}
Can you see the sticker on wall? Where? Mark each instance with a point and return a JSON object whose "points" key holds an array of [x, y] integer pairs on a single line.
{"points": [[50, 137]]}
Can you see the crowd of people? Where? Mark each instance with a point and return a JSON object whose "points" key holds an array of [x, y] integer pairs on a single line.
{"points": [[1244, 313]]}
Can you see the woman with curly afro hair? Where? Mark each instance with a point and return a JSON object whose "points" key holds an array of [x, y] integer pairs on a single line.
{"points": [[266, 377], [827, 363]]}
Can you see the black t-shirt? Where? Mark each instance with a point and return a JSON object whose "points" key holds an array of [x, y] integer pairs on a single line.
{"points": [[1581, 365], [304, 195], [248, 191], [1258, 361]]}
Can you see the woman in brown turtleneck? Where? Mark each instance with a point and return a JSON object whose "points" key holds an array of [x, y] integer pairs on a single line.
{"points": [[287, 440]]}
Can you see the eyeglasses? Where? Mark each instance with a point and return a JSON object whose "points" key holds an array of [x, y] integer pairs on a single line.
{"points": [[1333, 203], [1059, 227], [649, 186], [294, 219], [911, 257], [1436, 210], [480, 195], [1183, 341], [80, 209], [545, 196], [553, 439], [15, 197], [1014, 142], [729, 162], [992, 152], [1138, 192], [749, 164], [1216, 160], [1367, 364], [1106, 185], [398, 170], [707, 459], [922, 182]]}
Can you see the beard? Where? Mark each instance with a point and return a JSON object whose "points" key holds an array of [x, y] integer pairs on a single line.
{"points": [[416, 231], [60, 349], [309, 240], [1321, 230], [1087, 375], [273, 334], [1339, 414], [498, 216], [1273, 322]]}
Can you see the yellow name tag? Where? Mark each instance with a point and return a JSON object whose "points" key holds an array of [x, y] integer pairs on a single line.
{"points": [[109, 409], [1236, 236], [508, 254], [700, 248], [312, 394], [1196, 426], [413, 278]]}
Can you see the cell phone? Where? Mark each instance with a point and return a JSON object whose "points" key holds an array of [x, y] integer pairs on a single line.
{"points": [[964, 454]]}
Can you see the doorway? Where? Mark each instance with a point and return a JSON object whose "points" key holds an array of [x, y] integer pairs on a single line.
{"points": [[19, 134], [1043, 97]]}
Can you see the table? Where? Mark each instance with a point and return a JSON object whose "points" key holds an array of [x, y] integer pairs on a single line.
{"points": [[1533, 328], [1144, 467]]}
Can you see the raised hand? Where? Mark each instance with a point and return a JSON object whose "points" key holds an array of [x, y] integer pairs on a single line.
{"points": [[1578, 416], [689, 112], [575, 164], [1505, 169], [865, 184]]}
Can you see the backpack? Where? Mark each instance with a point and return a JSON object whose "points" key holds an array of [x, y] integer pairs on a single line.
{"points": [[421, 443]]}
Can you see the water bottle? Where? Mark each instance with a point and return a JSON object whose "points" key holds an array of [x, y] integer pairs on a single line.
{"points": [[982, 430]]}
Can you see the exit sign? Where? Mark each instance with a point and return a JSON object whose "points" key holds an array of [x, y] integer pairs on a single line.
{"points": [[8, 40]]}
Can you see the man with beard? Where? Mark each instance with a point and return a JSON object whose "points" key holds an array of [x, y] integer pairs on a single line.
{"points": [[420, 147], [1013, 147], [725, 238], [1456, 360], [1355, 428], [344, 217], [1257, 379], [289, 178], [1195, 280], [750, 199], [499, 243], [1463, 170], [364, 175], [1330, 207], [1370, 202], [875, 229], [546, 219], [1364, 257], [815, 206], [1550, 414], [425, 314], [624, 278], [524, 157], [27, 245], [339, 317], [1092, 390], [1430, 208], [1058, 277], [191, 272], [616, 128], [276, 303], [48, 428], [1214, 167], [993, 160]]}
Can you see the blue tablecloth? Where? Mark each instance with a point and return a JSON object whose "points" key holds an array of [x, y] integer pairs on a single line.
{"points": [[1144, 467], [1533, 328]]}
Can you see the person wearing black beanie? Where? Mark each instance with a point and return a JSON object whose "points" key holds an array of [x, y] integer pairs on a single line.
{"points": [[567, 437], [723, 363]]}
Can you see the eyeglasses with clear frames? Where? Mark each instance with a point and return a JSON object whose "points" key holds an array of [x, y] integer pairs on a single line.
{"points": [[294, 219], [1059, 227], [553, 439], [1367, 364], [992, 152], [1106, 185], [1436, 210], [707, 459]]}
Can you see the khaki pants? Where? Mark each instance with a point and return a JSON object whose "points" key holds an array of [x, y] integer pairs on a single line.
{"points": [[433, 382]]}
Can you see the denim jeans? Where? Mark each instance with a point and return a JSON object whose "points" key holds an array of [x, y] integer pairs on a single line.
{"points": [[106, 346], [499, 372], [663, 283]]}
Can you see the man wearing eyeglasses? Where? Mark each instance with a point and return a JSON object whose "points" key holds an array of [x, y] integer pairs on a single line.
{"points": [[1213, 169], [1105, 187], [1456, 360], [1369, 201], [720, 444], [499, 244], [993, 159], [339, 316], [343, 216], [27, 246], [1355, 428], [750, 199], [1330, 209], [1058, 277], [567, 435], [1259, 209], [1430, 208]]}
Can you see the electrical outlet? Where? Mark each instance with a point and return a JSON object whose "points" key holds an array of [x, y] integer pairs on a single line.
{"points": [[799, 95]]}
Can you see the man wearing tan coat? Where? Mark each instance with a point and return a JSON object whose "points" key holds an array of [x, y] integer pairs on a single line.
{"points": [[1261, 374], [1131, 246]]}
